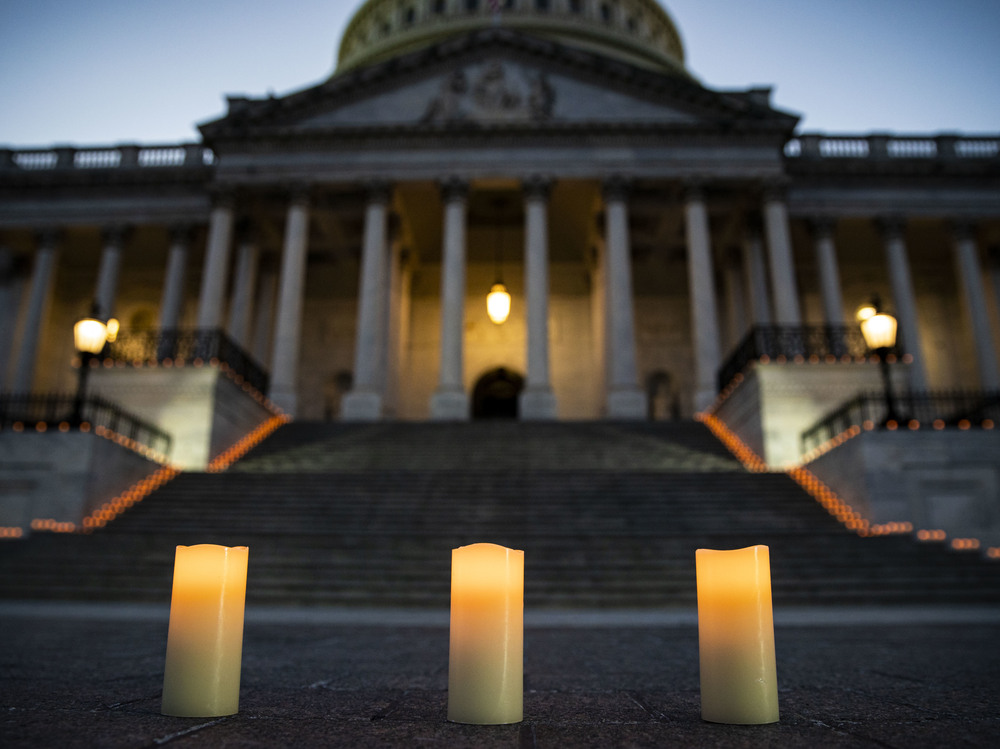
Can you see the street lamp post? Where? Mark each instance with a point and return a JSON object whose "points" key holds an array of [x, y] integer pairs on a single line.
{"points": [[879, 331], [90, 333]]}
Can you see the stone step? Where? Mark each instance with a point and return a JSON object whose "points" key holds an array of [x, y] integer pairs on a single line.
{"points": [[368, 515]]}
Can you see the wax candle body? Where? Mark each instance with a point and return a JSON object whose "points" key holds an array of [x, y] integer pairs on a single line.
{"points": [[201, 677], [485, 661], [736, 636]]}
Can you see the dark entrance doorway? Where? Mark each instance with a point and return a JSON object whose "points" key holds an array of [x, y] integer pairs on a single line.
{"points": [[495, 395]]}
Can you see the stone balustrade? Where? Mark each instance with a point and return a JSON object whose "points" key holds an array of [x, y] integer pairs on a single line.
{"points": [[124, 156], [881, 146]]}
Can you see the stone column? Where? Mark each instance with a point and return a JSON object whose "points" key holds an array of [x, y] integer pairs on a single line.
{"points": [[364, 402], [905, 301], [400, 285], [756, 270], [450, 401], [779, 245], [970, 275], [704, 320], [736, 302], [267, 289], [39, 297], [240, 306], [993, 268], [9, 304], [537, 402], [173, 287], [625, 399], [109, 271], [829, 274], [288, 326], [216, 268]]}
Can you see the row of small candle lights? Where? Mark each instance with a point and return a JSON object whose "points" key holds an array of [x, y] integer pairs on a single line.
{"points": [[739, 377], [101, 431], [486, 644], [829, 499], [144, 487], [197, 363], [226, 458]]}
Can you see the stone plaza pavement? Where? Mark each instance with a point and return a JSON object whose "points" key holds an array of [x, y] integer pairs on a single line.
{"points": [[89, 675]]}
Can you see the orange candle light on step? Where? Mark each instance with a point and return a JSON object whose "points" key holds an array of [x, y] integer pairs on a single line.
{"points": [[201, 677], [736, 636], [485, 660]]}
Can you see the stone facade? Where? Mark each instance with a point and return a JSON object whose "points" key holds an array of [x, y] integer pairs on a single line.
{"points": [[325, 229]]}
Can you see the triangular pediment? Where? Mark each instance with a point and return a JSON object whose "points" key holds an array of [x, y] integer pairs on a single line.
{"points": [[496, 79]]}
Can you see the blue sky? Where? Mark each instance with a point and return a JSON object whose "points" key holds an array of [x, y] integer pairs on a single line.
{"points": [[98, 72]]}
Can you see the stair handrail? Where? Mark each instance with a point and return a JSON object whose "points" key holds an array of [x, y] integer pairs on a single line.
{"points": [[41, 411], [187, 346], [792, 342], [938, 409]]}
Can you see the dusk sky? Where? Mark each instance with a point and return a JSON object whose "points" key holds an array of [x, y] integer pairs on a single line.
{"points": [[109, 71]]}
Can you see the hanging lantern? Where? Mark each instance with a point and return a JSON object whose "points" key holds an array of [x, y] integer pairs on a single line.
{"points": [[498, 303]]}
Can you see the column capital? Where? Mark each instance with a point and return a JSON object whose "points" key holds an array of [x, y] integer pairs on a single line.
{"points": [[181, 233], [299, 194], [694, 190], [616, 188], [891, 226], [115, 234], [774, 190], [822, 227], [222, 197], [246, 231], [962, 229], [453, 188], [378, 191], [48, 237], [537, 187]]}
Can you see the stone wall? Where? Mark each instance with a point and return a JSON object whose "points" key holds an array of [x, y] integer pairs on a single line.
{"points": [[199, 407], [62, 476], [775, 403], [936, 480]]}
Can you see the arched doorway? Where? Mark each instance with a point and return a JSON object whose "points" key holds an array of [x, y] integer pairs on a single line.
{"points": [[495, 395]]}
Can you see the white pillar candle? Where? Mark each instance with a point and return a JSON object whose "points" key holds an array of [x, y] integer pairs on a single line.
{"points": [[205, 638], [736, 636], [485, 664]]}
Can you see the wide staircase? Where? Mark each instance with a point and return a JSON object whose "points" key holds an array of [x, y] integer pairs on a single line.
{"points": [[609, 515]]}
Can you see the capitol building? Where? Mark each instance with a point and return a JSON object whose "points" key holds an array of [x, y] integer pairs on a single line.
{"points": [[667, 248]]}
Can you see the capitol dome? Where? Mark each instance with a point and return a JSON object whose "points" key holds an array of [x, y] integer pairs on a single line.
{"points": [[639, 32]]}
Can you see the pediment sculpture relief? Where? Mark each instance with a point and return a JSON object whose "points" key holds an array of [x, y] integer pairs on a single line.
{"points": [[492, 93]]}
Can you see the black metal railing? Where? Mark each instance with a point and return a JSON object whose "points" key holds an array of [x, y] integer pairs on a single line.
{"points": [[178, 347], [49, 411], [933, 409], [793, 343]]}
